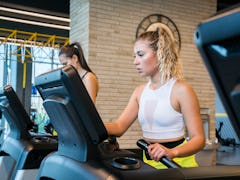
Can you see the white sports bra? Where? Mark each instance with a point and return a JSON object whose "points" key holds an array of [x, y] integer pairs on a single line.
{"points": [[156, 115]]}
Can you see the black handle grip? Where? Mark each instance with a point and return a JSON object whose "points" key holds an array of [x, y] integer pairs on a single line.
{"points": [[166, 161], [143, 144]]}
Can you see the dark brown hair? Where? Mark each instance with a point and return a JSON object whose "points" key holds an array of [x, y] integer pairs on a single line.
{"points": [[75, 49]]}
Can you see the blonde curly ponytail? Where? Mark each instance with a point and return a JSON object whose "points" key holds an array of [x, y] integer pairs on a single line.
{"points": [[164, 44]]}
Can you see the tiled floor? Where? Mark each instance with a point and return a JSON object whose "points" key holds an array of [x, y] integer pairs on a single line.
{"points": [[228, 155], [223, 155]]}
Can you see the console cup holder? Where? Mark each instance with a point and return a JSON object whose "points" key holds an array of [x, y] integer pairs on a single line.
{"points": [[125, 163]]}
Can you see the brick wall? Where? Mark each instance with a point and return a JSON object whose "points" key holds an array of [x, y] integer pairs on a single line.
{"points": [[106, 30], [79, 15]]}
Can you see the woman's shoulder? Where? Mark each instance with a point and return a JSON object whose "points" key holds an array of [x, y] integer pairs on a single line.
{"points": [[181, 84], [182, 87], [139, 89], [89, 76], [90, 80]]}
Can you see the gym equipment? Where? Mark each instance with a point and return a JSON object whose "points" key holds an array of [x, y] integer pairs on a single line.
{"points": [[22, 151], [218, 40], [84, 153]]}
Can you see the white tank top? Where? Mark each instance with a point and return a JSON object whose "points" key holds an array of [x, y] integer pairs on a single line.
{"points": [[156, 115]]}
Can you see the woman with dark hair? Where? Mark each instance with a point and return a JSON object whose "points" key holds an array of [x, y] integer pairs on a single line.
{"points": [[73, 55], [166, 106]]}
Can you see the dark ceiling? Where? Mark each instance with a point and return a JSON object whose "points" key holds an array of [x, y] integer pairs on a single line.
{"points": [[53, 26], [224, 4], [59, 8], [62, 6], [55, 7]]}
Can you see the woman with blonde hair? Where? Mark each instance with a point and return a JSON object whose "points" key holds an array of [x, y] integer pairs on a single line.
{"points": [[166, 106]]}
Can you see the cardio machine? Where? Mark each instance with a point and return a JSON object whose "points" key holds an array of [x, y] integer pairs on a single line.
{"points": [[82, 150], [22, 150]]}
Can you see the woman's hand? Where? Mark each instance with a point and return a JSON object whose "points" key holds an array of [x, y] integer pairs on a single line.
{"points": [[156, 151]]}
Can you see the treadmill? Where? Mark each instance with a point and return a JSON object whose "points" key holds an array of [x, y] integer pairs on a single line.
{"points": [[83, 152], [22, 150]]}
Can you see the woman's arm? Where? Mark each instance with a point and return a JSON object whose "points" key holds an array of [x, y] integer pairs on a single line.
{"points": [[125, 120], [189, 107]]}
